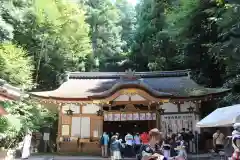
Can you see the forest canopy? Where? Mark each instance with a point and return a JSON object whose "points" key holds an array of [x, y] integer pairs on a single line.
{"points": [[42, 39]]}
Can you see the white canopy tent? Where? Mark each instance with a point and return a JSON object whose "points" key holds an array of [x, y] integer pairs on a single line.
{"points": [[221, 117]]}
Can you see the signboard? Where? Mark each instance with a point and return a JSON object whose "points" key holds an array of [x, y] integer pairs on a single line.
{"points": [[176, 122]]}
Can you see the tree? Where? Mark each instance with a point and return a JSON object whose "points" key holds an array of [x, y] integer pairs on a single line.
{"points": [[127, 22], [105, 31], [15, 66], [22, 116], [56, 36], [153, 49]]}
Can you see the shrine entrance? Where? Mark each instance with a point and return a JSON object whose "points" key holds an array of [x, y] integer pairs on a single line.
{"points": [[129, 118], [123, 127]]}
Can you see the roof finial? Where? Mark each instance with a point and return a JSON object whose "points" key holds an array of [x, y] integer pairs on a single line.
{"points": [[130, 75]]}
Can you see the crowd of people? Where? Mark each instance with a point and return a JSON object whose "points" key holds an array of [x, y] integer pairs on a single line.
{"points": [[149, 143]]}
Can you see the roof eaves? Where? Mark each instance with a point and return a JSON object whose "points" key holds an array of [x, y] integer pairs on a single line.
{"points": [[117, 75]]}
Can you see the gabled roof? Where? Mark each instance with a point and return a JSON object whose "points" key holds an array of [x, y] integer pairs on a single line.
{"points": [[9, 92], [95, 85]]}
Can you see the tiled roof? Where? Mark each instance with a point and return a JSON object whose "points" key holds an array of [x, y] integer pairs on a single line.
{"points": [[10, 92], [102, 84], [116, 75]]}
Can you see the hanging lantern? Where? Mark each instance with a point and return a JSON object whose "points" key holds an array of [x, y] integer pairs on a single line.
{"points": [[100, 112], [190, 109], [161, 110], [69, 112]]}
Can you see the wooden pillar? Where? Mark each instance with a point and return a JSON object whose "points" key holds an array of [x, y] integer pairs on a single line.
{"points": [[59, 126]]}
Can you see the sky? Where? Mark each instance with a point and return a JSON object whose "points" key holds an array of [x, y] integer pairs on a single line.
{"points": [[132, 1]]}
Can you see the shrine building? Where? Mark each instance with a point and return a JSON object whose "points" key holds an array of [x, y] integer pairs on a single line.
{"points": [[92, 102], [8, 93]]}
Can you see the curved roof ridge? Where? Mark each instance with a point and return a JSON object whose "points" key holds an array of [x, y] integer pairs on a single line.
{"points": [[106, 75], [138, 83]]}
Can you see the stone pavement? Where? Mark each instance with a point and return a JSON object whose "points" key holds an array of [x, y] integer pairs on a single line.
{"points": [[55, 157]]}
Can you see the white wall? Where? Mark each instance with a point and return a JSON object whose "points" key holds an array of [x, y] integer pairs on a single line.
{"points": [[90, 109], [187, 105], [73, 107], [170, 107]]}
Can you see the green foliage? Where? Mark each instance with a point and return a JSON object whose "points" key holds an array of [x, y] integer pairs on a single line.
{"points": [[103, 18], [15, 66], [177, 16], [22, 116], [153, 48]]}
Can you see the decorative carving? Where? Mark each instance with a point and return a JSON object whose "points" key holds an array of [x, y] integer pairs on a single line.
{"points": [[130, 75], [130, 107], [129, 92]]}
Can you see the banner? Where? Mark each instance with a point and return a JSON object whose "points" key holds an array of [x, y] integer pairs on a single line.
{"points": [[142, 116], [117, 117], [148, 116], [135, 116], [129, 116], [123, 117]]}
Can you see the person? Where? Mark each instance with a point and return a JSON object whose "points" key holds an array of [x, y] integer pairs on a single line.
{"points": [[218, 140], [236, 142], [184, 136], [144, 138], [104, 144], [191, 142], [26, 146], [115, 148], [129, 145], [181, 148], [152, 150], [166, 147], [137, 142]]}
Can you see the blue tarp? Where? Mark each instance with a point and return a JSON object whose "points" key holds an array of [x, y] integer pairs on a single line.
{"points": [[221, 117]]}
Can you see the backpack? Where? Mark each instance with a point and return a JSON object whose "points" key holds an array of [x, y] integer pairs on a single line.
{"points": [[102, 140], [146, 148]]}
